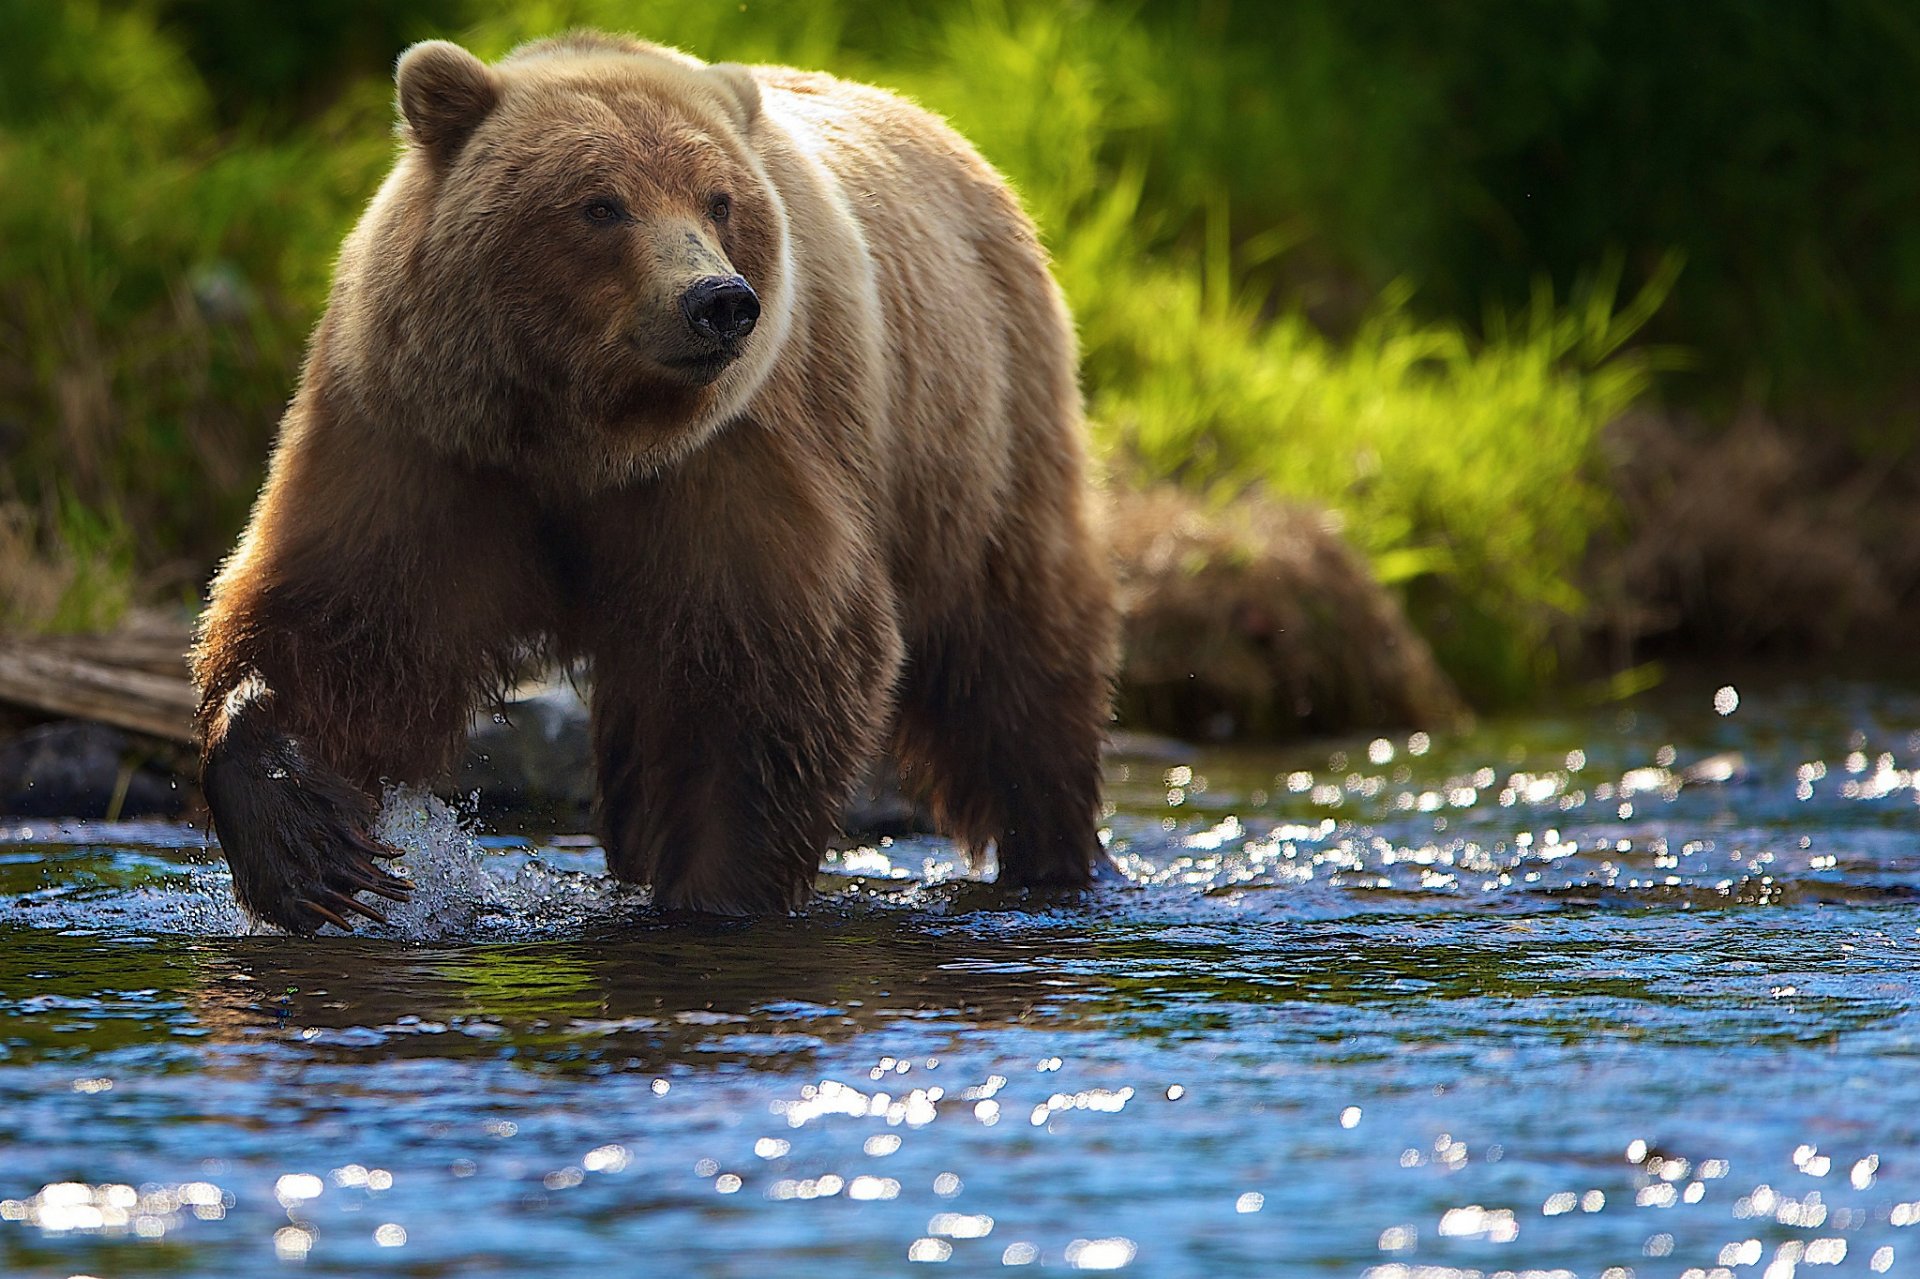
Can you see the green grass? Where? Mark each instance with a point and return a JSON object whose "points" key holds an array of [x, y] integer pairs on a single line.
{"points": [[157, 278], [159, 269]]}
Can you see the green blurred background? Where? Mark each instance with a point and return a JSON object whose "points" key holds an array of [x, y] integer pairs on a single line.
{"points": [[1412, 263]]}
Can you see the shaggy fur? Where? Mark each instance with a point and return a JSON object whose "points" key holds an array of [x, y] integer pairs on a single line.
{"points": [[866, 526]]}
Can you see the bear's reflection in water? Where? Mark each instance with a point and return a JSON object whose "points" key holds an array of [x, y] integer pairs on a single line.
{"points": [[767, 993]]}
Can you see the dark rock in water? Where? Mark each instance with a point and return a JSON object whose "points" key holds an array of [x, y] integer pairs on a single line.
{"points": [[534, 754], [77, 769]]}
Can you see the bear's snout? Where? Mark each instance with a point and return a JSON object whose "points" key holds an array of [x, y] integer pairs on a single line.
{"points": [[721, 308]]}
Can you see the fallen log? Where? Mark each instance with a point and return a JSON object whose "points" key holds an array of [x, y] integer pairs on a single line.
{"points": [[43, 679], [158, 646]]}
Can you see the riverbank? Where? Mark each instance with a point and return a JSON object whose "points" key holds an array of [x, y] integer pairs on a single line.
{"points": [[1253, 619], [1248, 619]]}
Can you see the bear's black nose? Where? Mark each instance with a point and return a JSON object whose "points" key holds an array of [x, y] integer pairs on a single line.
{"points": [[721, 308]]}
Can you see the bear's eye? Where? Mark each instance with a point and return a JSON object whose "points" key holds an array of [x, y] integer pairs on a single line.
{"points": [[720, 208], [604, 211]]}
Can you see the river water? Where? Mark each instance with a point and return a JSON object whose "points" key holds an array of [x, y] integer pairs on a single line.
{"points": [[1625, 991]]}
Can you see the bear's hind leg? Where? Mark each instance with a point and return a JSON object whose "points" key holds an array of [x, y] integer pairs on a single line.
{"points": [[1001, 724]]}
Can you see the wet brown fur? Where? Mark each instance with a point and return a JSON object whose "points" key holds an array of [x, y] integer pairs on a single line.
{"points": [[871, 529]]}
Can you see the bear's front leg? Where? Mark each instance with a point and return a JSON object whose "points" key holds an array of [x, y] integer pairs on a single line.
{"points": [[377, 594], [314, 692], [728, 745]]}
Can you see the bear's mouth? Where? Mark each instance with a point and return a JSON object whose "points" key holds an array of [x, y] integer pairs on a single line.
{"points": [[701, 369]]}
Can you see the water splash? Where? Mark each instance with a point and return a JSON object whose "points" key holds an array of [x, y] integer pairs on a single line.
{"points": [[453, 891], [127, 879], [465, 891]]}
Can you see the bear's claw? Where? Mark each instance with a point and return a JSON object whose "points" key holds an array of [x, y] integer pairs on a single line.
{"points": [[346, 903], [331, 897], [334, 899], [324, 913]]}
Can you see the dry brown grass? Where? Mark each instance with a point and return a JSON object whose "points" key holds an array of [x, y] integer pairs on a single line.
{"points": [[46, 586]]}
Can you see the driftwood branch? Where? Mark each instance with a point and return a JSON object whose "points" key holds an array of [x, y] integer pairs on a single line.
{"points": [[42, 677], [157, 647]]}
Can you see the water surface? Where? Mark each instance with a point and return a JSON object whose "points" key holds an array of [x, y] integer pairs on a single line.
{"points": [[1621, 992]]}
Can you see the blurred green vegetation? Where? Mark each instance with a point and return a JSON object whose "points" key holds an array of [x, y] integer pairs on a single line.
{"points": [[1402, 261]]}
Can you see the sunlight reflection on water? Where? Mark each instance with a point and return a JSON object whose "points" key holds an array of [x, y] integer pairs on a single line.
{"points": [[1599, 997]]}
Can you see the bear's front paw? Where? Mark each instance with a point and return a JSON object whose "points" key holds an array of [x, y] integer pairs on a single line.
{"points": [[296, 835]]}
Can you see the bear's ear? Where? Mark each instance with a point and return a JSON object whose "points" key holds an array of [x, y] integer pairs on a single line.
{"points": [[445, 92], [741, 89]]}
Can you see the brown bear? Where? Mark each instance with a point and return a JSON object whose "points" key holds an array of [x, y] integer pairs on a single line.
{"points": [[748, 385]]}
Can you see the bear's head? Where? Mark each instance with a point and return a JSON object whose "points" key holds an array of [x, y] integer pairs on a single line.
{"points": [[579, 267]]}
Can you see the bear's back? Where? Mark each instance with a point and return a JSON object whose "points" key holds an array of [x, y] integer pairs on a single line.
{"points": [[977, 349]]}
